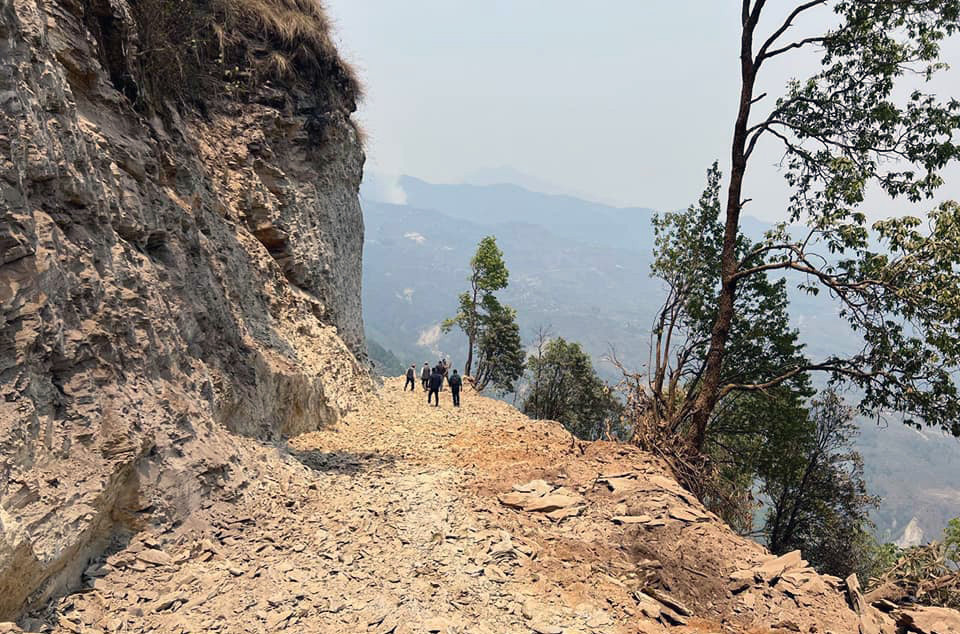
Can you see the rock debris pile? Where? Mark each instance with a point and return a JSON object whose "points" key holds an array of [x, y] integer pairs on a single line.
{"points": [[405, 519]]}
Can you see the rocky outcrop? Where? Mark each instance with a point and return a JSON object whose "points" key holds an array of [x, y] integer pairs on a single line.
{"points": [[170, 271]]}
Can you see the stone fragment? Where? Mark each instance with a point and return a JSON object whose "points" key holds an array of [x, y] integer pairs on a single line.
{"points": [[929, 620], [773, 568], [437, 624], [871, 620], [538, 488], [672, 617], [154, 557], [620, 483], [740, 580], [855, 595], [515, 500], [168, 600], [549, 503], [598, 620], [668, 601], [684, 514], [494, 574], [545, 628], [278, 620], [561, 514], [632, 519]]}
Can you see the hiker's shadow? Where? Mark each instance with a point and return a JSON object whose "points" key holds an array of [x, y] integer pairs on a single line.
{"points": [[345, 462]]}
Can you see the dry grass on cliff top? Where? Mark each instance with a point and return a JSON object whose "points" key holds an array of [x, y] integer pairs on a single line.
{"points": [[301, 26], [192, 44]]}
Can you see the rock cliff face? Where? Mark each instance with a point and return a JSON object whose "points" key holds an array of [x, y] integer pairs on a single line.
{"points": [[171, 270]]}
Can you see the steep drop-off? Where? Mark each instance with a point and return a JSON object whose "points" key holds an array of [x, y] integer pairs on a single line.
{"points": [[178, 261]]}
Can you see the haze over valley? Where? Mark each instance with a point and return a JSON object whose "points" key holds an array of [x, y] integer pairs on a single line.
{"points": [[581, 268]]}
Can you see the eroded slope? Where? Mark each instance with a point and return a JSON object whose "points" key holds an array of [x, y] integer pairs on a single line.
{"points": [[168, 272], [406, 518]]}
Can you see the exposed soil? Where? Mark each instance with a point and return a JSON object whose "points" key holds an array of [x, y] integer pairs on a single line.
{"points": [[406, 518]]}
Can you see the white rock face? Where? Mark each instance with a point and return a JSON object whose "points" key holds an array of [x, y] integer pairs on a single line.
{"points": [[165, 276], [912, 535]]}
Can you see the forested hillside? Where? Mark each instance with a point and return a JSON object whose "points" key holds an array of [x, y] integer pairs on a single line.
{"points": [[591, 284]]}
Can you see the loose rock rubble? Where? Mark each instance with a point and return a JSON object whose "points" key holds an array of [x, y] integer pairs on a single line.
{"points": [[165, 276], [408, 518]]}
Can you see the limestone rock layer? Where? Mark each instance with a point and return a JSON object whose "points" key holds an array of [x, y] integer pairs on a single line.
{"points": [[170, 275]]}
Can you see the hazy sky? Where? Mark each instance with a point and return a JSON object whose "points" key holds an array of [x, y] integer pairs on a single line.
{"points": [[624, 101]]}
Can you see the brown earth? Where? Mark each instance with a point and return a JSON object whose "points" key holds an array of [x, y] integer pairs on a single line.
{"points": [[407, 518]]}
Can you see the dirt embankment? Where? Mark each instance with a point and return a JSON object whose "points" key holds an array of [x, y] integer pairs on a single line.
{"points": [[406, 518]]}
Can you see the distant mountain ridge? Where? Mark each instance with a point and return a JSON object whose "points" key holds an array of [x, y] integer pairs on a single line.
{"points": [[582, 268], [565, 216]]}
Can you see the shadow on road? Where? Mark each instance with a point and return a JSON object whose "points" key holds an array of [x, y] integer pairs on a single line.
{"points": [[345, 462]]}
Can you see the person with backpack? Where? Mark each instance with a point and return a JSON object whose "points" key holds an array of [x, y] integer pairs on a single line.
{"points": [[425, 376], [436, 382], [455, 384], [441, 368], [411, 376]]}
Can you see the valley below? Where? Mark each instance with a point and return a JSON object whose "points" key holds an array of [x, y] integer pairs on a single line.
{"points": [[581, 269]]}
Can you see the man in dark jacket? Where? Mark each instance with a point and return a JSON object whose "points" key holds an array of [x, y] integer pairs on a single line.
{"points": [[436, 380], [411, 378], [455, 384], [425, 375]]}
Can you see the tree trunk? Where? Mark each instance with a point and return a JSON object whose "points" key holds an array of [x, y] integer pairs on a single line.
{"points": [[469, 363], [472, 335], [709, 393]]}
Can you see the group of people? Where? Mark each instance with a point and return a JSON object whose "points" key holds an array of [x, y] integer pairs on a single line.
{"points": [[432, 381]]}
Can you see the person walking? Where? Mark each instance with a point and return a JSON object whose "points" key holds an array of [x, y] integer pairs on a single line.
{"points": [[455, 384], [411, 378], [425, 375], [436, 381]]}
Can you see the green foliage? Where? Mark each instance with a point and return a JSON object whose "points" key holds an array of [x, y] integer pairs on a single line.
{"points": [[928, 574], [767, 447], [848, 126], [761, 341], [488, 274], [951, 541], [500, 355], [818, 501], [489, 271], [752, 440], [880, 559], [563, 386], [800, 465], [844, 130], [493, 335]]}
